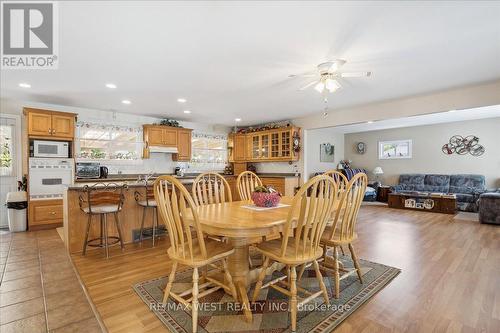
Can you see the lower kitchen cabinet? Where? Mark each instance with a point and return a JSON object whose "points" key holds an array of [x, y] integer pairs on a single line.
{"points": [[45, 214]]}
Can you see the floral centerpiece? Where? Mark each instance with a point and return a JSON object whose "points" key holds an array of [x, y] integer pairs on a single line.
{"points": [[264, 196]]}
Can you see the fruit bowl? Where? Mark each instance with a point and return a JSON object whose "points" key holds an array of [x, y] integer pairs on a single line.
{"points": [[265, 197]]}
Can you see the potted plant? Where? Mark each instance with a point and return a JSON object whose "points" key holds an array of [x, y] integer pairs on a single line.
{"points": [[264, 196]]}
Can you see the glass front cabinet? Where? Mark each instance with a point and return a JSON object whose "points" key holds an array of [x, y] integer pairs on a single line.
{"points": [[272, 145]]}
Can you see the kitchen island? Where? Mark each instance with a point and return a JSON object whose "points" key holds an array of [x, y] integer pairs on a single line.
{"points": [[75, 221]]}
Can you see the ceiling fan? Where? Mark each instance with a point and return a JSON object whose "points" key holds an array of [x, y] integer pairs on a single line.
{"points": [[329, 73]]}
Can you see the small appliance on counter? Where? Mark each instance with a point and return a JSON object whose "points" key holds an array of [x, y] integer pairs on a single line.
{"points": [[179, 172], [85, 170], [44, 148], [104, 171]]}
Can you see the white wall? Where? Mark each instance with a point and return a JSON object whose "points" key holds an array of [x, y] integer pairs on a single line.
{"points": [[159, 163], [427, 154], [313, 140], [469, 97]]}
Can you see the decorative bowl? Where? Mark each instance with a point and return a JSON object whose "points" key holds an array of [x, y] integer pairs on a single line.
{"points": [[262, 199]]}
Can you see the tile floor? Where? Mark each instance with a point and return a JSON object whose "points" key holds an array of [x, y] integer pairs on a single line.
{"points": [[39, 289]]}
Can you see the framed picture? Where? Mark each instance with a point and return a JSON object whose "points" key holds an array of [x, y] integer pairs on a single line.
{"points": [[326, 151], [388, 150]]}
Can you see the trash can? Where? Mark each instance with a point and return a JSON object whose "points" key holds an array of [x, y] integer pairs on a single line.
{"points": [[17, 202]]}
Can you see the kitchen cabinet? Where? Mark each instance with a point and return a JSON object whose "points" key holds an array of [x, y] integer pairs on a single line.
{"points": [[285, 185], [183, 145], [265, 146], [165, 136], [45, 213], [50, 124], [239, 153]]}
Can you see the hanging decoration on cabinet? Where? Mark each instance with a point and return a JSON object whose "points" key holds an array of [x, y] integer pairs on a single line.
{"points": [[296, 142], [326, 152], [360, 147], [463, 145], [264, 127], [169, 122]]}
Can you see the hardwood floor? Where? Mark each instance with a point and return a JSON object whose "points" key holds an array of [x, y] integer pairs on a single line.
{"points": [[450, 280]]}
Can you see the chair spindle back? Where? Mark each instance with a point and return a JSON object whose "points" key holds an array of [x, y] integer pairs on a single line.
{"points": [[178, 212], [209, 188], [347, 213], [246, 183], [314, 211]]}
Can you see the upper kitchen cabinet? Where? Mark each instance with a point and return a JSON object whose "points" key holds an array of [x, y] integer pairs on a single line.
{"points": [[266, 146], [50, 124], [169, 137], [238, 148], [183, 145]]}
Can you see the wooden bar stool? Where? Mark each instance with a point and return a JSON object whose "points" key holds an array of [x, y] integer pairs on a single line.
{"points": [[147, 201], [101, 200]]}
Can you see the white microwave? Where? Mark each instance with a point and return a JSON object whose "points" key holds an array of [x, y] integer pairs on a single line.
{"points": [[42, 148]]}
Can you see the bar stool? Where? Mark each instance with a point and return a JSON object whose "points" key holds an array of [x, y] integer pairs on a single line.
{"points": [[147, 201], [101, 200]]}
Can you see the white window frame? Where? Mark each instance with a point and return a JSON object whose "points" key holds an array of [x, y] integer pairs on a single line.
{"points": [[17, 170], [381, 144]]}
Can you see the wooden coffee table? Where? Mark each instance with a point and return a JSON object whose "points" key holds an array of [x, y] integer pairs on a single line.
{"points": [[446, 204]]}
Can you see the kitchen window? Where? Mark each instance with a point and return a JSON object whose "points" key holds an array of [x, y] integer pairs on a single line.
{"points": [[209, 152], [6, 147], [108, 142]]}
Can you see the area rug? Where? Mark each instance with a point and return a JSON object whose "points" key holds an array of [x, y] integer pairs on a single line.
{"points": [[218, 312]]}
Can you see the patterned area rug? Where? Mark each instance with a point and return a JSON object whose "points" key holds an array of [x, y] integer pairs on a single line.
{"points": [[218, 312]]}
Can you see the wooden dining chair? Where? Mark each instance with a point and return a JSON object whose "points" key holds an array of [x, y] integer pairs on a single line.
{"points": [[245, 183], [342, 231], [189, 245], [209, 188], [299, 244], [341, 181], [339, 178]]}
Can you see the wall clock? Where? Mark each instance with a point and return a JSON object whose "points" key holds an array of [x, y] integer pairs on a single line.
{"points": [[361, 147]]}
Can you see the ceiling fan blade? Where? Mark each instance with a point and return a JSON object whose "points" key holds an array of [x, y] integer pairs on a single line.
{"points": [[336, 64], [303, 75], [355, 74], [309, 84]]}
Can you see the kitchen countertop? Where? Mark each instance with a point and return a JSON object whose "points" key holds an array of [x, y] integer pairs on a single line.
{"points": [[132, 179]]}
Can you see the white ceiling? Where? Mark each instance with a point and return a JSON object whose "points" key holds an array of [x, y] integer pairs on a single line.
{"points": [[492, 111], [232, 59]]}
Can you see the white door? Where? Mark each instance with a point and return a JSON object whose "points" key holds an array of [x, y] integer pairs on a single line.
{"points": [[9, 160]]}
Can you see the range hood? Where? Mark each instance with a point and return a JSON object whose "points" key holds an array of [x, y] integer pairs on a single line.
{"points": [[166, 150]]}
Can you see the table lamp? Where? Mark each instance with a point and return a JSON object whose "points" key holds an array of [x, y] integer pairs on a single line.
{"points": [[377, 172]]}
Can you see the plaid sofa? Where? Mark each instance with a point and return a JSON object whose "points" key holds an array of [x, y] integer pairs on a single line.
{"points": [[467, 187], [371, 190]]}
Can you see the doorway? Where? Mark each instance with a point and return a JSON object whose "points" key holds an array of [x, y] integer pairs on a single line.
{"points": [[10, 160]]}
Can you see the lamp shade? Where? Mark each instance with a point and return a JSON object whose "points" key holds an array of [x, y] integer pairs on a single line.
{"points": [[378, 171]]}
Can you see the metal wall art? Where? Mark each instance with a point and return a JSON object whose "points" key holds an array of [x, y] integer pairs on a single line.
{"points": [[462, 145]]}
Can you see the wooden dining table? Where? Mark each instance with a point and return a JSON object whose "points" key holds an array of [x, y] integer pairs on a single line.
{"points": [[242, 227]]}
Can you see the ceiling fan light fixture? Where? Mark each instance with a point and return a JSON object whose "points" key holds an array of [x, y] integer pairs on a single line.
{"points": [[332, 85], [319, 87]]}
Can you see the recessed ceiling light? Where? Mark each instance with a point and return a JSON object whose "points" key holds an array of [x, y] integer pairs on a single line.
{"points": [[187, 111], [181, 100], [126, 101], [237, 120], [111, 85], [452, 110], [24, 85], [370, 122]]}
